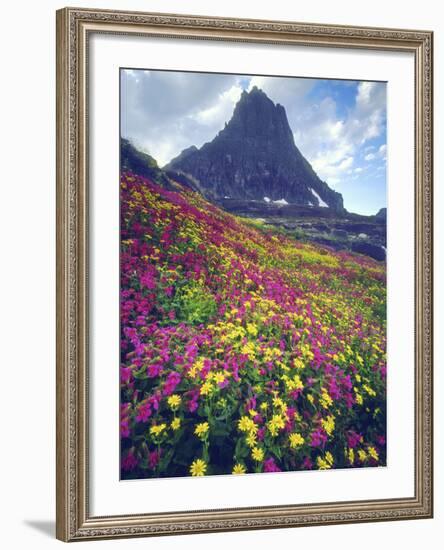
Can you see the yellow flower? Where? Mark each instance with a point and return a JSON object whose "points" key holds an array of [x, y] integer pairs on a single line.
{"points": [[199, 363], [296, 440], [275, 424], [252, 329], [362, 455], [328, 424], [174, 401], [197, 367], [206, 388], [201, 429], [175, 424], [264, 406], [325, 463], [358, 397], [294, 383], [277, 402], [198, 467], [310, 398], [325, 399], [252, 413], [373, 453], [351, 455], [219, 377], [246, 424], [239, 469], [251, 439], [249, 350], [369, 390], [257, 454], [298, 364], [158, 429]]}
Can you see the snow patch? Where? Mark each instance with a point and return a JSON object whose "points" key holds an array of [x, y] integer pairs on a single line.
{"points": [[321, 202], [280, 201]]}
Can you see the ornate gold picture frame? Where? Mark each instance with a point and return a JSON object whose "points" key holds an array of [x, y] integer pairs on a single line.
{"points": [[75, 27]]}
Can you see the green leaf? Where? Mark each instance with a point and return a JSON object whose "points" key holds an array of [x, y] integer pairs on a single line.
{"points": [[140, 374], [241, 450]]}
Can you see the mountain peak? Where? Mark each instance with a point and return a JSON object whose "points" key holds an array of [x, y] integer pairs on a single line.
{"points": [[256, 117], [255, 91], [255, 156]]}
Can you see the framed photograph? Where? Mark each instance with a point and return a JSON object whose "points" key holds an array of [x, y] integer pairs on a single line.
{"points": [[244, 274]]}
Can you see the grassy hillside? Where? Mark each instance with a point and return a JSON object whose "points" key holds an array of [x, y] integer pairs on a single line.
{"points": [[243, 350]]}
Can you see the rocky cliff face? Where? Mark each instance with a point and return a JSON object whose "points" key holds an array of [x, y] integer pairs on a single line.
{"points": [[255, 158], [381, 214]]}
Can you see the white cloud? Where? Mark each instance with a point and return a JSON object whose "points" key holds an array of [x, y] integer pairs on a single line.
{"points": [[165, 112], [286, 91], [221, 111], [327, 140], [380, 154], [382, 151]]}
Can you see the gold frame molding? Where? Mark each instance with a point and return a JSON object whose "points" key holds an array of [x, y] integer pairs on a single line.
{"points": [[73, 519]]}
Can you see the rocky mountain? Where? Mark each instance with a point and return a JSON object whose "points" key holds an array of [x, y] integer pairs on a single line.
{"points": [[381, 214], [255, 158]]}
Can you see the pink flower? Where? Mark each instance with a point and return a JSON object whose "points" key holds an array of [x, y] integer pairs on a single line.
{"points": [[124, 427], [125, 375], [380, 439], [307, 464], [270, 466], [353, 439], [318, 438], [148, 281], [172, 381], [153, 459], [154, 370], [143, 412], [261, 433], [129, 462]]}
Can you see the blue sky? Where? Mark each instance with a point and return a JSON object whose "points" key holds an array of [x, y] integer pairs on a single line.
{"points": [[338, 125]]}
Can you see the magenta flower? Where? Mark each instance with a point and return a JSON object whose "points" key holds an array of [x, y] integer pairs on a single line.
{"points": [[353, 439], [153, 459], [125, 375], [124, 427], [172, 381], [154, 370], [318, 438], [129, 462], [143, 412], [270, 466]]}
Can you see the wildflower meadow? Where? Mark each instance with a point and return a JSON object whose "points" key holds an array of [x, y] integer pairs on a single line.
{"points": [[243, 349]]}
